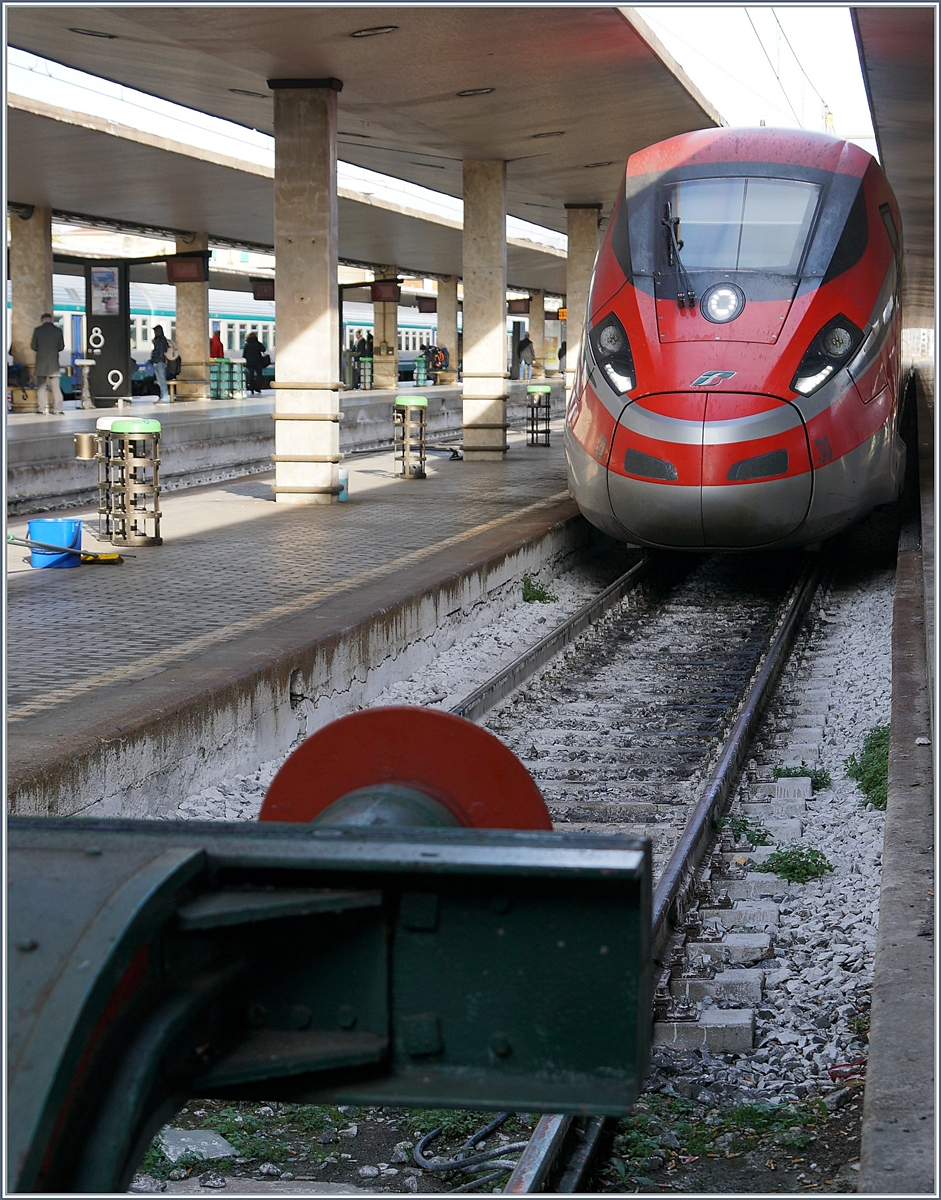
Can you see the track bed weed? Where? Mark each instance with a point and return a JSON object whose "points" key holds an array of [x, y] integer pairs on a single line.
{"points": [[796, 864], [535, 592], [819, 777], [871, 768]]}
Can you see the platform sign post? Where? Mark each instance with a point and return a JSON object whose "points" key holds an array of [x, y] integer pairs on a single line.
{"points": [[108, 331]]}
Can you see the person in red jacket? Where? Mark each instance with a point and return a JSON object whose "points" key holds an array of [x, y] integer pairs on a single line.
{"points": [[216, 348]]}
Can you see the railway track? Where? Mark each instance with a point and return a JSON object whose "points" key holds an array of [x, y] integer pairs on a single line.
{"points": [[656, 702], [635, 716]]}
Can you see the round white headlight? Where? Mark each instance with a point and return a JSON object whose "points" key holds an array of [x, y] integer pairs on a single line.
{"points": [[611, 340], [722, 303], [837, 342]]}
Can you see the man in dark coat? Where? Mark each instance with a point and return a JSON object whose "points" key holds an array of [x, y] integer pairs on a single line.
{"points": [[255, 362], [48, 340]]}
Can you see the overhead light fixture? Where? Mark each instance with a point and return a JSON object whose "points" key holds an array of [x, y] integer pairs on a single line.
{"points": [[554, 133], [359, 135], [374, 31], [475, 92], [246, 92], [93, 33], [431, 166], [591, 166]]}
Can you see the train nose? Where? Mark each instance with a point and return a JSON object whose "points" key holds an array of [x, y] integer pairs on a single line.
{"points": [[710, 469]]}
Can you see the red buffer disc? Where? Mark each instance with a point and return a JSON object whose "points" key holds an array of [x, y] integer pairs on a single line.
{"points": [[465, 768]]}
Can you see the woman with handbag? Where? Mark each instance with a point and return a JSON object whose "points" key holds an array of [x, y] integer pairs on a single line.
{"points": [[158, 356]]}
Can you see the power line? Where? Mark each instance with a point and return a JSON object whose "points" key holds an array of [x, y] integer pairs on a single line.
{"points": [[774, 72], [670, 33], [798, 61]]}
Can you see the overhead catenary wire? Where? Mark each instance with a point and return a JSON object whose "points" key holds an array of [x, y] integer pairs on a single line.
{"points": [[773, 70], [717, 66], [798, 61]]}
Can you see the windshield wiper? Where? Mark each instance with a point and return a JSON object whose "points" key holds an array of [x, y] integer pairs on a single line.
{"points": [[672, 224]]}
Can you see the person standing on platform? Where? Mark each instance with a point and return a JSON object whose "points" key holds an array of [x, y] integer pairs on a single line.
{"points": [[48, 340], [216, 348], [359, 349], [527, 356], [158, 356], [254, 354]]}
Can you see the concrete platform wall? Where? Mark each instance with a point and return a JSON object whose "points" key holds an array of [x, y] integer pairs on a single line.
{"points": [[289, 681], [204, 447]]}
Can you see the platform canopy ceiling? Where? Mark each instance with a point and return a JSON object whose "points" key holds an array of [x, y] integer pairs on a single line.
{"points": [[897, 55], [563, 95], [58, 158]]}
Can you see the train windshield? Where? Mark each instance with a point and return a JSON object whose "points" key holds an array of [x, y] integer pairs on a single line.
{"points": [[743, 224]]}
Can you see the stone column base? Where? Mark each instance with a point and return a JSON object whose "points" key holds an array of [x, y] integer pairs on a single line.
{"points": [[484, 428], [192, 383], [307, 445], [385, 371]]}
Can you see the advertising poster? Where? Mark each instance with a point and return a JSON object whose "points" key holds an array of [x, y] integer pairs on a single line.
{"points": [[105, 292]]}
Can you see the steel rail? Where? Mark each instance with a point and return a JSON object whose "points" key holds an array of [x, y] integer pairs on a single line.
{"points": [[547, 1141], [498, 686], [700, 829]]}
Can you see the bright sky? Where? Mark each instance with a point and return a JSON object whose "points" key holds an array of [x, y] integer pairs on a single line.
{"points": [[781, 65], [786, 65]]}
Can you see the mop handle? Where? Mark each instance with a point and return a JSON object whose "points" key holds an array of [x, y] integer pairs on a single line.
{"points": [[11, 537]]}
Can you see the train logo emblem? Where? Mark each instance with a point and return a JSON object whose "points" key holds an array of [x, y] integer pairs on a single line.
{"points": [[710, 378]]}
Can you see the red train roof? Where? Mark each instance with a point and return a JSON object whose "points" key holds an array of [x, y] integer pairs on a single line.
{"points": [[786, 146]]}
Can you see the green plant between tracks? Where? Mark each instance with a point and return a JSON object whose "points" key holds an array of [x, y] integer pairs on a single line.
{"points": [[756, 835], [536, 592], [819, 776], [871, 768], [796, 864]]}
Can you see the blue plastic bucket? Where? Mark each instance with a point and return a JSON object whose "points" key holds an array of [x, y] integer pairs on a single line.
{"points": [[60, 531]]}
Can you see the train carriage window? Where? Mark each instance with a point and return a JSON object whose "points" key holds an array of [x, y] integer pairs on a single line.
{"points": [[744, 224]]}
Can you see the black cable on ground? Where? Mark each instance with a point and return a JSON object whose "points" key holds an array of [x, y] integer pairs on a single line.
{"points": [[475, 1163]]}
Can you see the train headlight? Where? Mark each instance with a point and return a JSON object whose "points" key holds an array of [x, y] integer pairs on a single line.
{"points": [[830, 350], [838, 342], [721, 303], [612, 352]]}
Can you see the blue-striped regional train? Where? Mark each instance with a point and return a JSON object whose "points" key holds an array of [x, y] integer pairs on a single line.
{"points": [[233, 314]]}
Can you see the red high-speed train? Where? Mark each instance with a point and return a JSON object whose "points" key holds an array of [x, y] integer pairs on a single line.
{"points": [[738, 385]]}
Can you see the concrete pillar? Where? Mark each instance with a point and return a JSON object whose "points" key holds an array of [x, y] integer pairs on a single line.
{"points": [[447, 326], [30, 279], [583, 248], [307, 438], [192, 329], [385, 337], [537, 331], [485, 372]]}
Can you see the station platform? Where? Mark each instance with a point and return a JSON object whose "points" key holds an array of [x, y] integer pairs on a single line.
{"points": [[205, 441], [125, 681]]}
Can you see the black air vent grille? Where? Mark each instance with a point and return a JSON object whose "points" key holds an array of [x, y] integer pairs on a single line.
{"points": [[649, 467], [764, 465]]}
